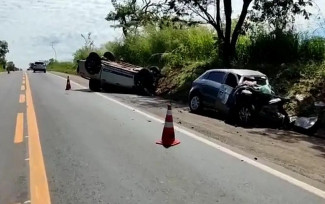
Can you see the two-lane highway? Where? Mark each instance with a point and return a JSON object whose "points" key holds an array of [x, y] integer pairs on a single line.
{"points": [[96, 150]]}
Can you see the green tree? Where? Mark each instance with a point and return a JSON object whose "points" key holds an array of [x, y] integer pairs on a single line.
{"points": [[227, 35], [52, 61], [279, 15], [3, 51], [11, 66], [130, 14]]}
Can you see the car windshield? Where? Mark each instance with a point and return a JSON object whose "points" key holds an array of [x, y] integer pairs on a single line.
{"points": [[259, 80], [39, 63]]}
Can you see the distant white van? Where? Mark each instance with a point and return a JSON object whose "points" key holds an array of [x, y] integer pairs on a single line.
{"points": [[39, 66]]}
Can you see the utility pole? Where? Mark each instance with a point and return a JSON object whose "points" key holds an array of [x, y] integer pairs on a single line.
{"points": [[53, 50]]}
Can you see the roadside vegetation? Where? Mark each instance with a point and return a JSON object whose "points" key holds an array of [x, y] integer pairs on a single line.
{"points": [[184, 48], [3, 51], [65, 67]]}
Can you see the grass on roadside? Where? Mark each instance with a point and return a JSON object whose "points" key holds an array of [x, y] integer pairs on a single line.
{"points": [[64, 67]]}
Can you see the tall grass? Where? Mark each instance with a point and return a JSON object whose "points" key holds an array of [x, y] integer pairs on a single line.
{"points": [[167, 46], [274, 48], [312, 49], [177, 48], [65, 67]]}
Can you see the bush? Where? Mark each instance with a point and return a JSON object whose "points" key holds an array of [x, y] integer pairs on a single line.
{"points": [[243, 50], [274, 48], [65, 67], [312, 49], [83, 53]]}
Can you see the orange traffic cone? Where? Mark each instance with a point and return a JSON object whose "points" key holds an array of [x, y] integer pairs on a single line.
{"points": [[168, 135], [68, 86]]}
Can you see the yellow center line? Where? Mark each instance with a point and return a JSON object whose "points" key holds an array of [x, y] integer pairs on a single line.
{"points": [[39, 190], [19, 133], [22, 87], [22, 98]]}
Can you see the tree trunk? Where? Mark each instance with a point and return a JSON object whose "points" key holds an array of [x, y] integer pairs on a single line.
{"points": [[227, 42], [125, 30], [238, 28], [227, 54]]}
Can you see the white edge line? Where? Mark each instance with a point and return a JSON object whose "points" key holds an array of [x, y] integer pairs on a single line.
{"points": [[261, 166]]}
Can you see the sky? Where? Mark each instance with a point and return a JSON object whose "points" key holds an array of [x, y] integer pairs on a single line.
{"points": [[31, 26]]}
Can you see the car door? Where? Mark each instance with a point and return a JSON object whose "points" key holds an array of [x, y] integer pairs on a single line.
{"points": [[211, 87], [225, 92], [107, 76]]}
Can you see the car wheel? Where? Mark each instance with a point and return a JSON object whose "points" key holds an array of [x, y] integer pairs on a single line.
{"points": [[109, 56], [44, 71], [34, 71], [246, 115], [106, 87], [195, 103], [93, 63], [94, 85]]}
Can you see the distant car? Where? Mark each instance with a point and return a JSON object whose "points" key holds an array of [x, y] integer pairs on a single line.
{"points": [[39, 66], [231, 91]]}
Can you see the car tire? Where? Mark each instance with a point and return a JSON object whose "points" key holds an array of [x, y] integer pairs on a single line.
{"points": [[107, 87], [245, 115], [109, 56], [195, 103], [34, 71], [93, 63], [94, 85], [44, 71]]}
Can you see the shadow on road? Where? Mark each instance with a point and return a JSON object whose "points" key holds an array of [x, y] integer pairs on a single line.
{"points": [[317, 143], [83, 90]]}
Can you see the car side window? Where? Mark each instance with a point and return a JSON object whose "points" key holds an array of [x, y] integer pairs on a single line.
{"points": [[231, 80], [216, 76], [204, 76]]}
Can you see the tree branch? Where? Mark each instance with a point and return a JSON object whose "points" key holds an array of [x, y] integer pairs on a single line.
{"points": [[240, 22], [198, 13], [210, 19], [218, 27]]}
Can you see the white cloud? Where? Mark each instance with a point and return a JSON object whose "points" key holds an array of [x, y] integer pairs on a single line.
{"points": [[30, 26]]}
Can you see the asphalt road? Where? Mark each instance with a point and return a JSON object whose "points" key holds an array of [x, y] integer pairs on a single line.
{"points": [[13, 167], [95, 150]]}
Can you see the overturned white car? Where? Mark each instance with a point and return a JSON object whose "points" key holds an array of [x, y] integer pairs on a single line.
{"points": [[105, 71]]}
